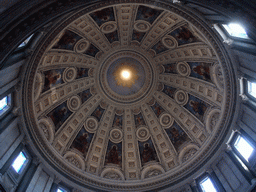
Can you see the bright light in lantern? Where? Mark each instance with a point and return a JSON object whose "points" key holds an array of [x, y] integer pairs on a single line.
{"points": [[126, 74]]}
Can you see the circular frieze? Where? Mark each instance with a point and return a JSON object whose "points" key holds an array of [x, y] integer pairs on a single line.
{"points": [[91, 124], [74, 103], [116, 135], [109, 27], [166, 120], [183, 69], [126, 77], [81, 46], [169, 42], [142, 26], [69, 74], [181, 97], [142, 134]]}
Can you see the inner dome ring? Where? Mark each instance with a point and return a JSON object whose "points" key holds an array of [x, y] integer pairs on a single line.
{"points": [[121, 90]]}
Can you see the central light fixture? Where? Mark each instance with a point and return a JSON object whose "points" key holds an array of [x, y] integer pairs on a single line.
{"points": [[125, 74]]}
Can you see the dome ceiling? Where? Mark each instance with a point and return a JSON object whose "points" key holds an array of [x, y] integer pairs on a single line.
{"points": [[128, 92]]}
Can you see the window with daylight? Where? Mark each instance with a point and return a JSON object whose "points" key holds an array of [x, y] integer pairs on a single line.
{"points": [[20, 162], [5, 104], [24, 43], [252, 88], [60, 189], [243, 147], [207, 185], [236, 30]]}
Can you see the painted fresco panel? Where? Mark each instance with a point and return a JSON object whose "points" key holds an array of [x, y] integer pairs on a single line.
{"points": [[118, 120], [197, 107], [168, 90], [147, 14], [114, 154], [82, 72], [139, 120], [112, 36], [159, 47], [103, 16], [98, 112], [170, 68], [67, 41], [92, 50], [200, 70], [137, 36], [59, 115], [158, 110], [177, 135], [52, 78], [184, 36], [85, 95], [82, 141], [147, 152]]}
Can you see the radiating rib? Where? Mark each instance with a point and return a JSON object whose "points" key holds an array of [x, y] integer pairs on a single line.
{"points": [[165, 24], [98, 150], [193, 126], [125, 15], [86, 27], [66, 58], [202, 89], [71, 126], [164, 148], [57, 95], [189, 52], [131, 155]]}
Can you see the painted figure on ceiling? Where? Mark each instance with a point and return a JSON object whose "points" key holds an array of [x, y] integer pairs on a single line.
{"points": [[203, 70], [117, 122], [186, 35], [98, 113], [177, 137], [81, 143], [58, 116], [51, 78], [147, 154], [113, 156], [170, 68], [198, 107]]}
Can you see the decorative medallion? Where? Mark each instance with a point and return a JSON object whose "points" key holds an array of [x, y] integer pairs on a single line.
{"points": [[91, 124], [69, 74], [142, 134], [142, 26], [181, 97], [183, 69], [81, 46], [166, 120], [109, 27], [116, 135], [74, 103], [169, 42]]}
